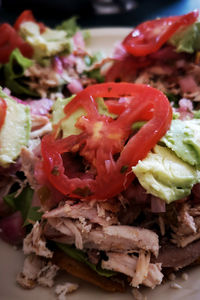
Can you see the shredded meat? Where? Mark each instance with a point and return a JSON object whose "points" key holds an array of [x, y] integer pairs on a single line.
{"points": [[187, 229], [94, 212], [134, 267], [62, 290], [28, 161], [37, 270], [118, 238], [42, 79], [35, 242]]}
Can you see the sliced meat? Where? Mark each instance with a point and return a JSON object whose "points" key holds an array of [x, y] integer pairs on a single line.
{"points": [[117, 238], [80, 270], [170, 256], [88, 211], [126, 264]]}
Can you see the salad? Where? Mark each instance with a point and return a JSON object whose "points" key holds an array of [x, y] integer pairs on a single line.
{"points": [[100, 156]]}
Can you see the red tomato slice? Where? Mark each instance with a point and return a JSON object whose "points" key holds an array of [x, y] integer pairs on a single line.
{"points": [[149, 36], [9, 40], [27, 16], [103, 141], [3, 108]]}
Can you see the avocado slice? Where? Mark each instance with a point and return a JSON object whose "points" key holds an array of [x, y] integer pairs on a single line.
{"points": [[68, 126], [15, 131], [165, 175]]}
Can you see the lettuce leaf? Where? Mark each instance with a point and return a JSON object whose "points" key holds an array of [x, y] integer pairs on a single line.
{"points": [[23, 203], [70, 26], [187, 40], [14, 73], [82, 257]]}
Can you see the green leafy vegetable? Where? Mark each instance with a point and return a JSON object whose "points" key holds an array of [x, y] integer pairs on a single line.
{"points": [[96, 74], [23, 203], [14, 73], [82, 257], [89, 60], [173, 98], [70, 26]]}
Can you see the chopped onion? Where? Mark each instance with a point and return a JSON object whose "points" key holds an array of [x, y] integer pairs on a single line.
{"points": [[157, 205], [75, 86], [11, 229]]}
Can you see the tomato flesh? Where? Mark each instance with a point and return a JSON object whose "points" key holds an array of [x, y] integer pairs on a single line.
{"points": [[9, 40], [149, 36], [27, 16], [105, 143]]}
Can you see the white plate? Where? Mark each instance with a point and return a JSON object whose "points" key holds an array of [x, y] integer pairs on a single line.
{"points": [[11, 261]]}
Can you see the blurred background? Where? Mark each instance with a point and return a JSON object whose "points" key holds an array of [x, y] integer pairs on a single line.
{"points": [[96, 13]]}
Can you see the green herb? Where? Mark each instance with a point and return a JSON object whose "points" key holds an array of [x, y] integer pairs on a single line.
{"points": [[14, 73], [55, 171], [123, 169], [96, 74], [23, 203], [173, 98], [82, 192], [70, 26], [82, 257]]}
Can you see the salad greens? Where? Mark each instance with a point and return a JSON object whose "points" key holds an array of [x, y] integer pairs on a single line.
{"points": [[23, 203], [82, 257], [69, 25], [14, 74]]}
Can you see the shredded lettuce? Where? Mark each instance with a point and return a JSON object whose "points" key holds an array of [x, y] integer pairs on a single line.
{"points": [[82, 257], [23, 203], [14, 74]]}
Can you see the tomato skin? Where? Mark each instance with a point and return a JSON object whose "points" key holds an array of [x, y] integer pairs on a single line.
{"points": [[3, 108], [9, 40], [27, 16], [102, 138], [149, 36]]}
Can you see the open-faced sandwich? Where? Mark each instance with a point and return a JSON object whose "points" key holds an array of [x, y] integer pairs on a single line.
{"points": [[101, 179]]}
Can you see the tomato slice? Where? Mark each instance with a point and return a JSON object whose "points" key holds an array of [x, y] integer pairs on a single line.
{"points": [[3, 108], [9, 40], [27, 16], [106, 144], [149, 36]]}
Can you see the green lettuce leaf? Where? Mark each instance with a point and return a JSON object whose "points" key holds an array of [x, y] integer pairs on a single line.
{"points": [[23, 203], [70, 26], [187, 40], [82, 257], [14, 73]]}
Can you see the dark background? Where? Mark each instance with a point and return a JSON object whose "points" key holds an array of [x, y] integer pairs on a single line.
{"points": [[52, 12]]}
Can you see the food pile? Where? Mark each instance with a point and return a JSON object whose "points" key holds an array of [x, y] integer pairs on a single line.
{"points": [[100, 157]]}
